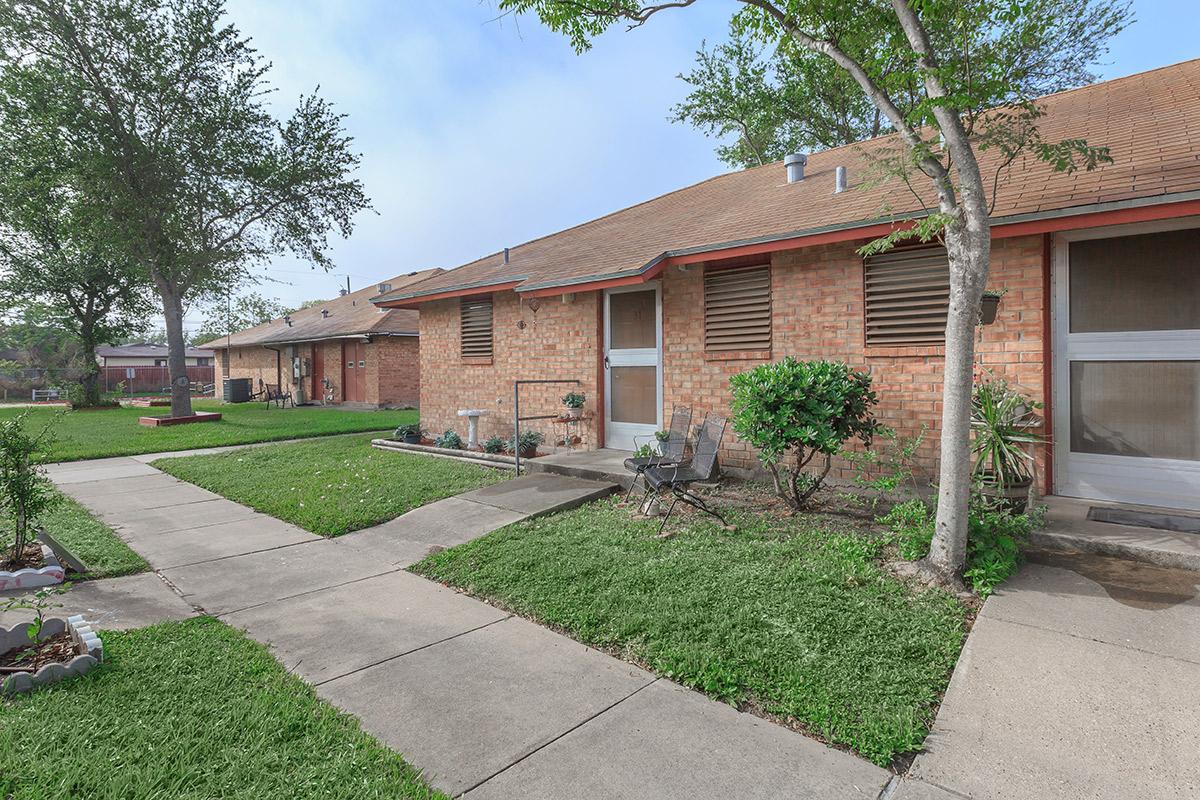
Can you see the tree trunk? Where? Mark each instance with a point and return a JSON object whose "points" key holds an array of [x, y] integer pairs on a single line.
{"points": [[969, 252], [181, 394], [90, 379]]}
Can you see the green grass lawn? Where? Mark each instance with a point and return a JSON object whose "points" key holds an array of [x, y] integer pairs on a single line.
{"points": [[96, 544], [784, 616], [191, 709], [116, 432], [333, 486]]}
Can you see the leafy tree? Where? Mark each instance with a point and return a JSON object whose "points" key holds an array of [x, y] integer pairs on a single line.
{"points": [[170, 103], [223, 316], [788, 101], [794, 411], [953, 78], [53, 248]]}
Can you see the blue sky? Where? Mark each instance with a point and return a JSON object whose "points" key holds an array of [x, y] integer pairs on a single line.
{"points": [[478, 134]]}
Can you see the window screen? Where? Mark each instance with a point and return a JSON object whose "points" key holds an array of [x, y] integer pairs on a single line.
{"points": [[475, 316], [907, 294], [737, 308]]}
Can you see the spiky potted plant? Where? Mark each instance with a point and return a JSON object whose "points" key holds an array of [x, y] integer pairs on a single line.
{"points": [[574, 404], [409, 434], [1002, 421], [528, 443]]}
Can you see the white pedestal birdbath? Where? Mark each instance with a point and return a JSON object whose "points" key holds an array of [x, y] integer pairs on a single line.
{"points": [[472, 415]]}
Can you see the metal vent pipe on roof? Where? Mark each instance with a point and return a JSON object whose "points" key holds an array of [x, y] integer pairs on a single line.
{"points": [[506, 255], [839, 180], [795, 166]]}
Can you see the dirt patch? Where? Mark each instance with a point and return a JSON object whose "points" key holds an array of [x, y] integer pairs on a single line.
{"points": [[57, 649], [31, 558]]}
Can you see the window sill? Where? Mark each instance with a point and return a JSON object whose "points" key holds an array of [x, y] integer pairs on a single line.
{"points": [[738, 355], [479, 361], [906, 351]]}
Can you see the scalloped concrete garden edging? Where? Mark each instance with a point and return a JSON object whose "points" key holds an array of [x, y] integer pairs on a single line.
{"points": [[87, 642], [49, 575]]}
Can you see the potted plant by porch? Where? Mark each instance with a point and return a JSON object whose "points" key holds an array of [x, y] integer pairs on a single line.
{"points": [[527, 446], [1002, 421], [574, 403], [409, 434], [989, 304]]}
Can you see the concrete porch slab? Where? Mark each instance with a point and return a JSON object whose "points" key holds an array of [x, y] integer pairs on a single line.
{"points": [[534, 495], [130, 523], [327, 634], [115, 603], [1035, 714], [412, 536], [466, 708], [1067, 527], [238, 582], [671, 743], [597, 465], [251, 534]]}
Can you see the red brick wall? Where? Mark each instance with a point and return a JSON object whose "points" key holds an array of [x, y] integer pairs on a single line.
{"points": [[256, 363], [817, 301], [817, 297], [557, 341], [394, 371]]}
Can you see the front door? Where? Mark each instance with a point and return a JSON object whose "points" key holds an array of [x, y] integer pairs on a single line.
{"points": [[354, 383], [632, 365], [1127, 365]]}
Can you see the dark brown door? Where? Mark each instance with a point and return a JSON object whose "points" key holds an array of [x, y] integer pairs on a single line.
{"points": [[354, 374], [318, 372]]}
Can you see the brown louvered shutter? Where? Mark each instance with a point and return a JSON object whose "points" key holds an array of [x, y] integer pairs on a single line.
{"points": [[907, 294], [475, 314], [737, 308]]}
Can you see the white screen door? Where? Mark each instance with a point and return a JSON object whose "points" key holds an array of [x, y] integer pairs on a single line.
{"points": [[632, 365], [1127, 364]]}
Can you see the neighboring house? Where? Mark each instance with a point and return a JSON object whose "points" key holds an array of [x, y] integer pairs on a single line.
{"points": [[148, 354], [662, 302], [346, 350]]}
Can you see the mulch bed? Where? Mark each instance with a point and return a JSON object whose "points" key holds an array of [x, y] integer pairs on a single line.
{"points": [[31, 558], [57, 649]]}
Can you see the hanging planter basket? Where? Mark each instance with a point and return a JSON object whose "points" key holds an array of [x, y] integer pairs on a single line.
{"points": [[989, 304]]}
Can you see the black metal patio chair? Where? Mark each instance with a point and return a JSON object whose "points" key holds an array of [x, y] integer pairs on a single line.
{"points": [[670, 450], [701, 467], [272, 394]]}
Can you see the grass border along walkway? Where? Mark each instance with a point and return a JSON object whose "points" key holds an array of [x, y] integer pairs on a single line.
{"points": [[192, 709], [784, 617], [333, 486], [96, 544], [80, 435]]}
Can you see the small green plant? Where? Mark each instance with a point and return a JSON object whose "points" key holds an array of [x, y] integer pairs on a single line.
{"points": [[574, 399], [995, 536], [662, 436], [995, 292], [645, 451], [794, 411], [528, 442], [449, 440], [494, 444], [405, 431], [888, 469], [39, 603], [25, 492]]}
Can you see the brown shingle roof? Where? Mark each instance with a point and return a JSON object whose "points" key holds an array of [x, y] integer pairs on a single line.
{"points": [[1150, 122], [349, 315]]}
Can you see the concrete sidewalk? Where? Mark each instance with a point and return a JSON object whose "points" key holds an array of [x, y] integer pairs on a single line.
{"points": [[1078, 681], [484, 703]]}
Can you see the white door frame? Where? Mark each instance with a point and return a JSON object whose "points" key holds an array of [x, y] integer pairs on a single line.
{"points": [[1130, 479], [620, 434]]}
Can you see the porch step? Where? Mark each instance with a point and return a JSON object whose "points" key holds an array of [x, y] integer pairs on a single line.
{"points": [[1068, 528], [604, 465], [535, 495]]}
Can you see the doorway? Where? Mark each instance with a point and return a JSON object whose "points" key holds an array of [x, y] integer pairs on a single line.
{"points": [[354, 375], [632, 365], [1127, 364]]}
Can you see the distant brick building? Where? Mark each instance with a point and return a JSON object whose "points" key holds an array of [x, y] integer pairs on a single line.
{"points": [[346, 351], [662, 302]]}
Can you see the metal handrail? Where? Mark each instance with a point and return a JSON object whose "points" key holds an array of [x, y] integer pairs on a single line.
{"points": [[517, 418]]}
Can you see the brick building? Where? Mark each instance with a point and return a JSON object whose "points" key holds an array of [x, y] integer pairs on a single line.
{"points": [[661, 302], [344, 351]]}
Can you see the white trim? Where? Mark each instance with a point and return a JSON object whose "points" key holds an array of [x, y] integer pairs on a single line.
{"points": [[1148, 481], [620, 435]]}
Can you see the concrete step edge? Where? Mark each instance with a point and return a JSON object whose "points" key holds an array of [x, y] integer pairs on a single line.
{"points": [[1157, 555]]}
